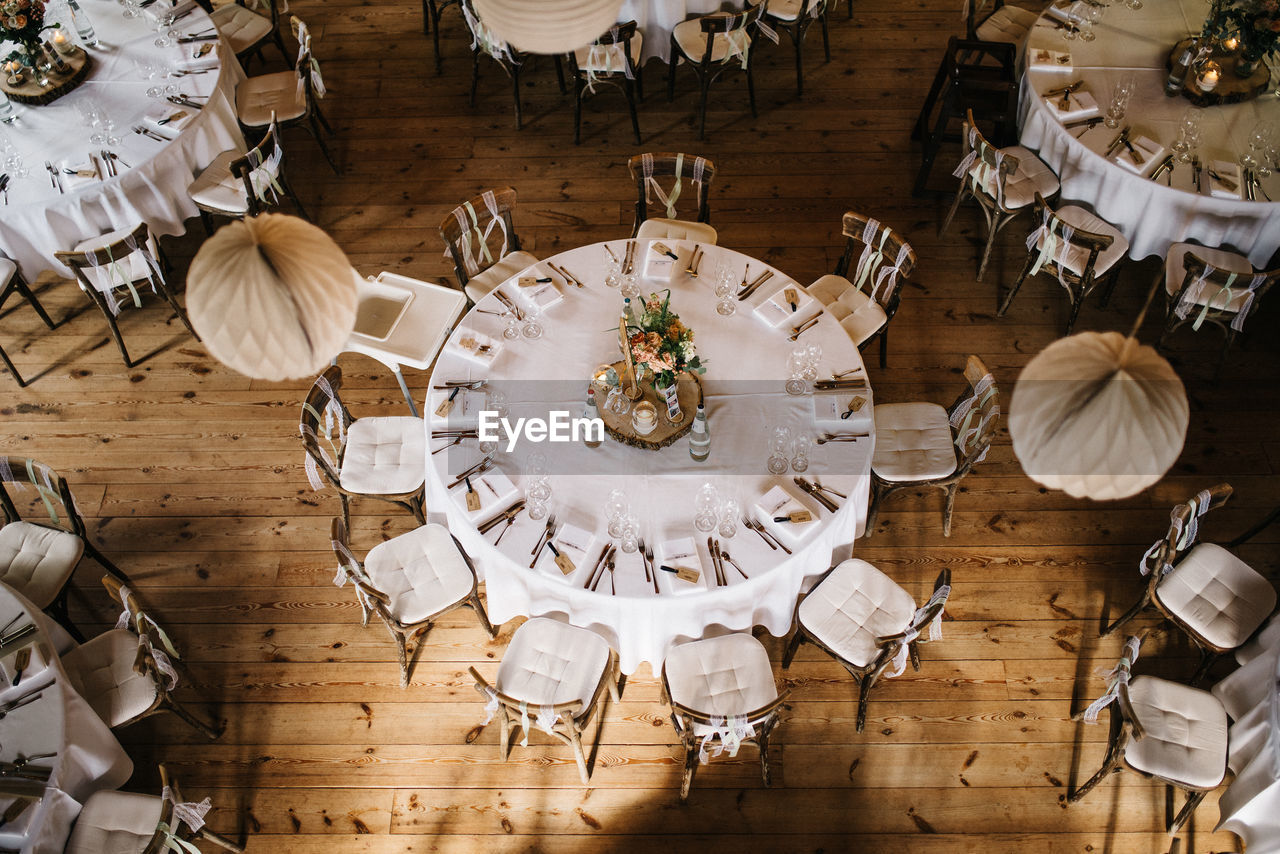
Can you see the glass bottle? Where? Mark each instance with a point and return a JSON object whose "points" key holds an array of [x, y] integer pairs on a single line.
{"points": [[591, 413], [700, 436], [1178, 71], [84, 27]]}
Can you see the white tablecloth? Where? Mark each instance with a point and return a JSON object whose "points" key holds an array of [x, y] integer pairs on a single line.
{"points": [[743, 388], [38, 221], [657, 18], [1150, 214], [88, 756]]}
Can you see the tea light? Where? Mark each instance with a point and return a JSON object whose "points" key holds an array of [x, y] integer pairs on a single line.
{"points": [[1207, 81], [1231, 43], [62, 44], [644, 418], [14, 69]]}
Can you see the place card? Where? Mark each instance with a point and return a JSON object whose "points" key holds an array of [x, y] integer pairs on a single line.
{"points": [[1079, 105], [35, 664], [495, 492], [199, 56], [573, 543], [829, 406], [788, 304], [534, 292], [778, 502], [1044, 59], [461, 413], [169, 119], [1226, 184], [476, 346], [83, 170], [1149, 152], [682, 556]]}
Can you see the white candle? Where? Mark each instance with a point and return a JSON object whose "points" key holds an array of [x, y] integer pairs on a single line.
{"points": [[61, 43], [1208, 81]]}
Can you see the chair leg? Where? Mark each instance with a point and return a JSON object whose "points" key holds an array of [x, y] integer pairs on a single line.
{"points": [[1109, 766], [949, 508], [873, 508], [884, 346], [1022, 277], [58, 610], [630, 88], [560, 74], [1226, 346], [504, 735], [690, 765], [797, 37], [211, 730], [751, 92], [22, 287], [515, 91], [577, 110], [1128, 615], [1207, 659], [106, 564], [207, 835], [182, 314], [346, 510], [484, 618], [946, 222], [313, 128], [705, 86], [293, 197], [207, 222], [475, 76], [403, 655], [986, 250], [426, 18], [1193, 801], [762, 741], [1076, 304], [113, 326], [578, 756], [864, 689], [826, 37], [8, 363], [671, 71], [794, 644]]}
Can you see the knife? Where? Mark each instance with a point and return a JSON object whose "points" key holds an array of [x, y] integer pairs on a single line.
{"points": [[760, 280], [1118, 141], [817, 495], [715, 561], [1195, 171], [806, 326], [505, 300], [1063, 90], [692, 267]]}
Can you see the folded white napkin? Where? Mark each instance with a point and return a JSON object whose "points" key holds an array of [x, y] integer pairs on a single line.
{"points": [[169, 119], [469, 343], [1060, 10], [496, 492], [163, 7], [779, 502], [1044, 59], [8, 666], [542, 294], [1149, 151], [1228, 184], [776, 310], [1080, 105], [576, 543], [84, 168], [678, 553], [199, 55], [828, 406]]}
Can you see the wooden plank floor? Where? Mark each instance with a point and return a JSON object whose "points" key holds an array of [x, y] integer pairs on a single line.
{"points": [[192, 479]]}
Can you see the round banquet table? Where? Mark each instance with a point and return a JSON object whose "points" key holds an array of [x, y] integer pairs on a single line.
{"points": [[746, 361], [87, 758], [1151, 215], [655, 19], [39, 221]]}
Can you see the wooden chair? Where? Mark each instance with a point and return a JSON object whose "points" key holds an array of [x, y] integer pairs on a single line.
{"points": [[613, 58], [409, 581], [884, 262], [291, 98], [1081, 250], [711, 45], [862, 619], [431, 11], [1004, 23], [40, 557], [1216, 286], [1003, 181], [647, 171], [246, 31], [360, 464], [13, 282], [127, 823], [128, 674], [921, 445], [119, 262], [795, 17], [470, 231], [484, 42], [722, 695], [560, 703], [238, 185], [1162, 730], [1203, 589]]}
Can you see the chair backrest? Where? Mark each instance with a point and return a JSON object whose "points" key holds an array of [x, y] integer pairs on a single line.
{"points": [[351, 569], [472, 231], [1056, 238], [1184, 530], [156, 651], [688, 717], [485, 41], [260, 170], [738, 29], [306, 66], [884, 259], [991, 164], [975, 12], [51, 489], [322, 411], [110, 259], [616, 43], [649, 168], [975, 415], [1211, 292], [923, 627], [510, 705]]}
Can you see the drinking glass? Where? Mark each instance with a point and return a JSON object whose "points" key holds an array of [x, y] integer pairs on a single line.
{"points": [[724, 291], [1188, 134], [1070, 29], [797, 361], [612, 272], [535, 469], [1133, 4], [779, 445], [617, 508], [800, 444], [630, 285], [630, 540], [729, 513], [706, 508], [537, 508], [12, 159], [1092, 17], [532, 328], [1262, 138], [1120, 94], [618, 402], [512, 330], [812, 356], [165, 35], [131, 9]]}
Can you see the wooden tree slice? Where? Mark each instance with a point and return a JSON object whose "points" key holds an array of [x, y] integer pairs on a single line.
{"points": [[1231, 88], [619, 426], [31, 92]]}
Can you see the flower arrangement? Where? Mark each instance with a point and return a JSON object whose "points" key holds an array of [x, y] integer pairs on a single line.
{"points": [[22, 22], [1255, 22], [661, 343]]}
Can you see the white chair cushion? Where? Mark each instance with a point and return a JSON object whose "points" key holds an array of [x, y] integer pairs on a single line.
{"points": [[1185, 735], [101, 670], [216, 187], [422, 571], [1217, 595], [240, 27], [676, 229], [479, 285], [1032, 176], [549, 662], [853, 606], [1075, 258], [1175, 272], [258, 97], [827, 289], [728, 675], [913, 442], [1007, 24], [863, 316], [37, 561], [693, 43], [132, 265], [115, 823], [787, 10], [384, 455], [608, 58]]}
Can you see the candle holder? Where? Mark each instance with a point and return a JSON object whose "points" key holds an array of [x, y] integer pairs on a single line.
{"points": [[1208, 74]]}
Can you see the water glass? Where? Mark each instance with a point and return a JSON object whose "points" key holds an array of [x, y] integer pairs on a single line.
{"points": [[706, 508], [165, 35], [630, 540], [12, 158], [729, 513], [532, 328], [1092, 17], [1120, 94], [538, 476], [1075, 16], [536, 508], [797, 362], [617, 509], [724, 291], [800, 445], [1188, 134], [7, 112], [812, 356], [630, 285], [779, 445], [1262, 138], [512, 330], [1133, 4], [612, 272]]}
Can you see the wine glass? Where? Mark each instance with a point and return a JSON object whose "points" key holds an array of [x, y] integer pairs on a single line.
{"points": [[1120, 94], [612, 271], [729, 513], [1188, 134], [617, 508], [630, 285], [706, 508], [630, 540], [797, 361], [1071, 26], [13, 163], [800, 444], [1261, 138], [532, 328], [512, 330], [535, 469], [779, 444], [724, 291], [812, 356], [1091, 18], [132, 9], [165, 35], [1133, 4]]}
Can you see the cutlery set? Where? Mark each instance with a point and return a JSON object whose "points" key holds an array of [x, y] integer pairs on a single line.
{"points": [[718, 558], [511, 306], [147, 132], [629, 259], [607, 560], [506, 516], [761, 531], [548, 531], [748, 290], [695, 260], [19, 703], [479, 468], [4, 187], [797, 331], [568, 277], [840, 437], [820, 492]]}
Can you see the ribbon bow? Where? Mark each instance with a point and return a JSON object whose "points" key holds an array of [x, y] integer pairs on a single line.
{"points": [[914, 628], [469, 224], [1180, 536], [170, 841], [484, 39], [962, 418], [1119, 675], [332, 412], [725, 735], [349, 572], [546, 718], [186, 812], [140, 621]]}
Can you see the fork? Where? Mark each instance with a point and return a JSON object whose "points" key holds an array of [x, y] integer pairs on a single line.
{"points": [[139, 129], [648, 557]]}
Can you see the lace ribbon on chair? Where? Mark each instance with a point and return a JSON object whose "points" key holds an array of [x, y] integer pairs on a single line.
{"points": [[170, 841], [116, 275], [1182, 537], [484, 39], [1196, 291], [1119, 675], [653, 188], [264, 175], [350, 572], [41, 477], [188, 813], [984, 171], [332, 413], [469, 225], [915, 629], [962, 418], [303, 35], [545, 720], [140, 621], [490, 706], [1054, 248], [604, 55], [870, 263], [725, 735]]}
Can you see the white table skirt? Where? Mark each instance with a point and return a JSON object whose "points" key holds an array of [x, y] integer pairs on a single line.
{"points": [[38, 221], [89, 757], [1151, 215], [743, 391], [655, 19]]}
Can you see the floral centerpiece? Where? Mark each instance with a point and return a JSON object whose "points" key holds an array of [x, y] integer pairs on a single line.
{"points": [[661, 343], [22, 22], [1256, 23]]}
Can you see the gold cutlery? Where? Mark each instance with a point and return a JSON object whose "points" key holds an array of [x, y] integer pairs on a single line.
{"points": [[694, 260], [751, 288], [797, 331], [724, 555], [808, 487], [840, 437]]}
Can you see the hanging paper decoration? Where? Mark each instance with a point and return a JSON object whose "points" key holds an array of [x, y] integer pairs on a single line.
{"points": [[548, 26]]}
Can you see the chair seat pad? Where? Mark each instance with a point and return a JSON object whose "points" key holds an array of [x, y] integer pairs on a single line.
{"points": [[422, 571], [1217, 595], [479, 285], [384, 455], [608, 58], [789, 10], [240, 27], [1007, 24], [1076, 257], [1032, 176], [37, 561], [101, 670], [860, 316], [676, 229], [549, 662], [115, 823], [853, 606], [728, 675], [215, 187], [132, 265], [692, 42], [1175, 272], [1185, 735], [913, 442], [258, 97]]}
